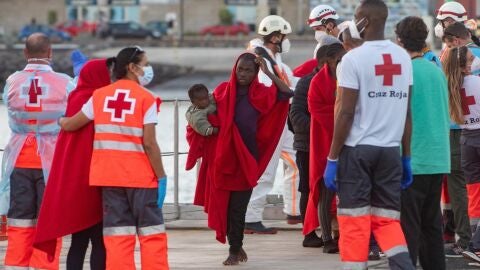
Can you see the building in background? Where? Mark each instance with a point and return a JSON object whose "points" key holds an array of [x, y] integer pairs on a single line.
{"points": [[197, 14], [14, 14]]}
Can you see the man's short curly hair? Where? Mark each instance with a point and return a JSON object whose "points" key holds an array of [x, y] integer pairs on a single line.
{"points": [[412, 32]]}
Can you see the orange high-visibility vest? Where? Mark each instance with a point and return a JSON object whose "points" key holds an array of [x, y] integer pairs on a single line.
{"points": [[118, 157]]}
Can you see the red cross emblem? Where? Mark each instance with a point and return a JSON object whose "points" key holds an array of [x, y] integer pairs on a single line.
{"points": [[119, 105], [33, 92], [466, 101], [388, 70]]}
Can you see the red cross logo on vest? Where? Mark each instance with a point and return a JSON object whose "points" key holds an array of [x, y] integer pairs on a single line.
{"points": [[33, 92], [388, 70], [119, 105], [466, 101]]}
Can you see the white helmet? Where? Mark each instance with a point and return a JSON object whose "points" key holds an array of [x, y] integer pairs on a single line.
{"points": [[273, 23], [320, 14], [452, 10]]}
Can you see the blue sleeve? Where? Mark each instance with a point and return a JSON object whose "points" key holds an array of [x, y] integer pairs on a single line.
{"points": [[430, 56]]}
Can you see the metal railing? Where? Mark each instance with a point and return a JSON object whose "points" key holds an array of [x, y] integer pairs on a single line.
{"points": [[176, 154]]}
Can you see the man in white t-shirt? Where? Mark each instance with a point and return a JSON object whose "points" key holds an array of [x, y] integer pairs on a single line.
{"points": [[372, 121]]}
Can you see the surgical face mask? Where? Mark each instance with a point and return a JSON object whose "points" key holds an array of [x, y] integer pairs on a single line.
{"points": [[439, 31], [475, 65], [360, 31], [285, 46], [351, 27], [319, 35], [147, 75]]}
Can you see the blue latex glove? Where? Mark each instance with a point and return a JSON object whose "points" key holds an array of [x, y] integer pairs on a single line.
{"points": [[407, 178], [330, 174], [78, 60], [162, 191]]}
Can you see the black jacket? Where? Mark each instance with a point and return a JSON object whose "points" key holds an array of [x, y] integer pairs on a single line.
{"points": [[299, 114]]}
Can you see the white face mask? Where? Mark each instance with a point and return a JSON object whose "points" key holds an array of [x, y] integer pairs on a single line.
{"points": [[319, 35], [439, 30], [360, 31], [475, 65], [285, 46], [147, 75]]}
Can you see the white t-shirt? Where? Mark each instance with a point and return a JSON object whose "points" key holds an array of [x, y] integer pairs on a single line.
{"points": [[382, 73], [470, 94], [149, 118]]}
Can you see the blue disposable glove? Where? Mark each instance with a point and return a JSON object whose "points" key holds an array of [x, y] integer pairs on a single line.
{"points": [[162, 191], [407, 178], [330, 174], [78, 61]]}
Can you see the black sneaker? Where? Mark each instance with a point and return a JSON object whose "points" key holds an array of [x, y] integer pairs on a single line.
{"points": [[374, 254], [312, 240], [257, 227], [330, 247], [454, 251], [472, 254]]}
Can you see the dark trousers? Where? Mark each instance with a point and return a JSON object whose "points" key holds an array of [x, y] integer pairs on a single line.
{"points": [[302, 159], [324, 207], [368, 183], [326, 196], [26, 193], [303, 164], [421, 221], [237, 207], [78, 248], [458, 192]]}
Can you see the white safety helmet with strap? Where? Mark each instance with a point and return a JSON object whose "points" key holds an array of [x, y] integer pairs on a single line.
{"points": [[273, 23], [452, 10], [320, 14]]}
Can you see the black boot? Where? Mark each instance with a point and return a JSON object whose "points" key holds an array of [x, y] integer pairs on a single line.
{"points": [[312, 240], [330, 247]]}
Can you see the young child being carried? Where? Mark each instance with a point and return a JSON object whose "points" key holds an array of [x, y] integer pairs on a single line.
{"points": [[203, 104]]}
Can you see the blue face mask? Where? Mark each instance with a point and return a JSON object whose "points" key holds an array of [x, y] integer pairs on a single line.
{"points": [[147, 75]]}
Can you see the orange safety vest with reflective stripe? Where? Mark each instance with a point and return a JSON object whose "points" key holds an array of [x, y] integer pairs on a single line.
{"points": [[118, 157]]}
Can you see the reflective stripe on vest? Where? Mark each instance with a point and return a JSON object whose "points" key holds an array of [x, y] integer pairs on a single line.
{"points": [[117, 231], [123, 130], [44, 115], [51, 128], [22, 223], [116, 145]]}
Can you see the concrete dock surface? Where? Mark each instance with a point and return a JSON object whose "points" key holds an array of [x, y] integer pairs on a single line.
{"points": [[193, 246]]}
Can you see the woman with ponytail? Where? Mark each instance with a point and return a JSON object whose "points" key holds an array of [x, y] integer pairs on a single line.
{"points": [[70, 205], [464, 103]]}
